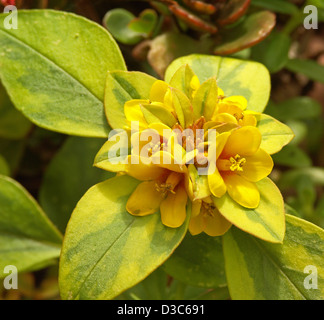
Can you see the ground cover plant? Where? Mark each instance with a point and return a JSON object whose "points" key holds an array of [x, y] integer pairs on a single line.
{"points": [[162, 150]]}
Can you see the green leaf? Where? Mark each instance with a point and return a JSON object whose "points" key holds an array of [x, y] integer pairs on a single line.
{"points": [[145, 23], [204, 99], [309, 68], [28, 240], [291, 211], [13, 125], [182, 107], [123, 86], [301, 131], [280, 6], [200, 187], [4, 167], [157, 113], [317, 3], [289, 178], [54, 68], [68, 177], [106, 250], [235, 77], [250, 31], [117, 22], [105, 161], [294, 109], [257, 270], [198, 261], [266, 222], [181, 80], [275, 135], [305, 196], [292, 156], [267, 51]]}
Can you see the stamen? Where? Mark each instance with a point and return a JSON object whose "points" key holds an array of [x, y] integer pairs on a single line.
{"points": [[207, 209], [154, 147], [170, 184], [239, 116], [237, 163], [232, 164]]}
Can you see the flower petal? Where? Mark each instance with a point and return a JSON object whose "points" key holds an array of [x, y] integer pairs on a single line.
{"points": [[257, 166], [133, 112], [248, 120], [164, 131], [173, 208], [165, 160], [239, 101], [216, 225], [224, 118], [216, 184], [197, 225], [244, 141], [242, 191], [142, 171], [228, 108], [216, 142], [195, 208], [158, 91], [144, 200]]}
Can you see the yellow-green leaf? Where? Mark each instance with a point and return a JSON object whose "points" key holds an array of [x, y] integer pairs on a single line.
{"points": [[104, 159], [233, 76], [28, 239], [54, 67], [259, 270], [266, 222], [200, 185], [182, 106], [205, 100], [155, 113], [275, 134], [181, 80], [106, 250], [121, 87]]}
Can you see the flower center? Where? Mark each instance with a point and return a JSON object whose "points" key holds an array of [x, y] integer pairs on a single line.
{"points": [[154, 147], [207, 209], [170, 184], [239, 116], [232, 164]]}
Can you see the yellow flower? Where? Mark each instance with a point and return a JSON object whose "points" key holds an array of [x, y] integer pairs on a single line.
{"points": [[233, 110], [164, 190], [206, 218], [240, 163], [163, 185], [235, 159], [158, 108]]}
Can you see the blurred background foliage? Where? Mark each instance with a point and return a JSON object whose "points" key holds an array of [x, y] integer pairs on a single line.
{"points": [[57, 169]]}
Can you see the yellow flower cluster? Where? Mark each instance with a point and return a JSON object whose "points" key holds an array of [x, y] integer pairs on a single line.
{"points": [[236, 160]]}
